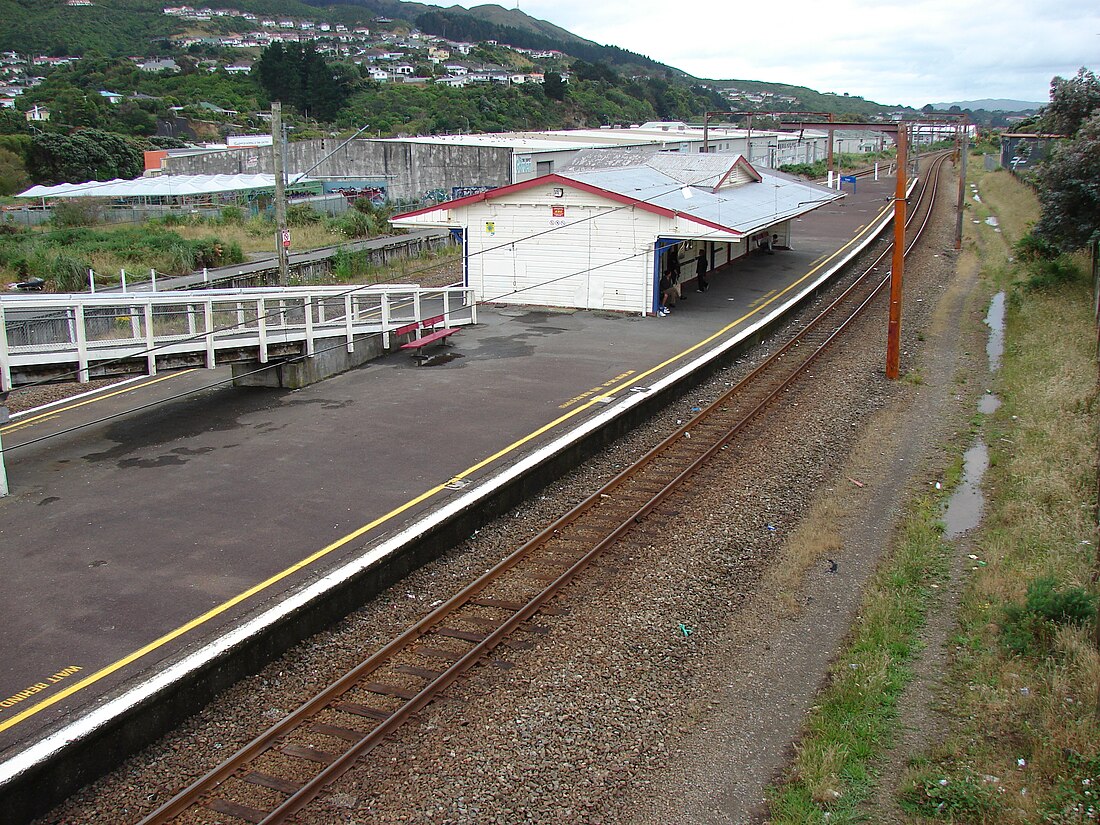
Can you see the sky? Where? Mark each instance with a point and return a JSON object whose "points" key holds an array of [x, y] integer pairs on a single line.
{"points": [[894, 53]]}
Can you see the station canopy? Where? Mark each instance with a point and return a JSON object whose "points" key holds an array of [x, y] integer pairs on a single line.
{"points": [[165, 187]]}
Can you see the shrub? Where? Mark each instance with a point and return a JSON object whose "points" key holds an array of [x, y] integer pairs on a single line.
{"points": [[301, 214], [1031, 247], [260, 227], [10, 227], [355, 224], [818, 169], [1045, 267], [1029, 628], [178, 259], [1075, 797], [83, 212], [231, 216], [1044, 273], [343, 265], [951, 796], [68, 273]]}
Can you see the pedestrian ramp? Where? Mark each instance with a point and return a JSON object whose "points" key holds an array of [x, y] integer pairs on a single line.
{"points": [[83, 336]]}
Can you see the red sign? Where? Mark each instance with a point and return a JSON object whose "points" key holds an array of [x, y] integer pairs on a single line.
{"points": [[286, 239], [557, 211]]}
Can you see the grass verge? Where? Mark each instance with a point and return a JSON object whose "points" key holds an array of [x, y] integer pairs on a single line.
{"points": [[1024, 745], [856, 711]]}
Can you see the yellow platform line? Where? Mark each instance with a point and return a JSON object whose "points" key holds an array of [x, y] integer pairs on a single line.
{"points": [[23, 422]]}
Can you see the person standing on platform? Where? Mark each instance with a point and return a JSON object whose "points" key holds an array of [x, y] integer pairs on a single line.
{"points": [[674, 265], [701, 284], [668, 295]]}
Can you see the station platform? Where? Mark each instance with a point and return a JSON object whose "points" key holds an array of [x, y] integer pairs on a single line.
{"points": [[155, 527]]}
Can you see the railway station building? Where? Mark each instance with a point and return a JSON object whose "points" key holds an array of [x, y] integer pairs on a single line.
{"points": [[598, 234]]}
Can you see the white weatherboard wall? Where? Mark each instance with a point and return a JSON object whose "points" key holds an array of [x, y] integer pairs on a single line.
{"points": [[596, 254]]}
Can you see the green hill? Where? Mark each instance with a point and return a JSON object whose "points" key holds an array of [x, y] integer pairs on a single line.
{"points": [[806, 99], [610, 84]]}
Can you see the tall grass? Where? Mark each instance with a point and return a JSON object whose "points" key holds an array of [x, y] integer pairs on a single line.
{"points": [[56, 254], [1026, 744]]}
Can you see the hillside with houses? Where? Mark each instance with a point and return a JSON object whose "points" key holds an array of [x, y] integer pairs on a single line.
{"points": [[168, 75]]}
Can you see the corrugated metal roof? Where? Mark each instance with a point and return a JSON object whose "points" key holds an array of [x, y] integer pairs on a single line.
{"points": [[159, 186], [685, 183]]}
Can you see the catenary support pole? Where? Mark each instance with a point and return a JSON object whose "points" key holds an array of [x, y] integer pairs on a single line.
{"points": [[964, 151], [4, 418], [893, 329]]}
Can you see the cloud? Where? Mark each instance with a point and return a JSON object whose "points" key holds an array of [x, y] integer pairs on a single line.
{"points": [[891, 52]]}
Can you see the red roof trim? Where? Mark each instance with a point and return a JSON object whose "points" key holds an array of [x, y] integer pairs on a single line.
{"points": [[492, 194], [481, 196]]}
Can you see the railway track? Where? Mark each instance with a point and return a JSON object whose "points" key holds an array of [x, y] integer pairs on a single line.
{"points": [[280, 772]]}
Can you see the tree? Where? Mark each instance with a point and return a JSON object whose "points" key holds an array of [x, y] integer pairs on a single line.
{"points": [[13, 174], [1072, 102], [13, 122], [553, 85], [87, 154], [299, 76], [595, 71], [1069, 192], [76, 108]]}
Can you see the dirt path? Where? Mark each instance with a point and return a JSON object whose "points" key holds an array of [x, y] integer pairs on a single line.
{"points": [[956, 320]]}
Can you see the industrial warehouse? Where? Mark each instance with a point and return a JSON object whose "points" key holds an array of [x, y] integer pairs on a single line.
{"points": [[443, 167]]}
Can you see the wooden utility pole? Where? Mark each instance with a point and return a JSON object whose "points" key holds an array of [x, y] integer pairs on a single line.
{"points": [[893, 329], [282, 236]]}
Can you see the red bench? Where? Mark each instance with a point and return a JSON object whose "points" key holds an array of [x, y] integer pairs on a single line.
{"points": [[427, 334]]}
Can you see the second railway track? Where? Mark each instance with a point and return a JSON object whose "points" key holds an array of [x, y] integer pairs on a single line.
{"points": [[277, 774]]}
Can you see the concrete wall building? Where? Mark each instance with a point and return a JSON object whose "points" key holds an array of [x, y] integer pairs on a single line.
{"points": [[442, 167]]}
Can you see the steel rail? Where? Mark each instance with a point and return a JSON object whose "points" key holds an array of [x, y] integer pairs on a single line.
{"points": [[622, 503]]}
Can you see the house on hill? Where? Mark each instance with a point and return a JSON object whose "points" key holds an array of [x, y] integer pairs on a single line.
{"points": [[598, 234]]}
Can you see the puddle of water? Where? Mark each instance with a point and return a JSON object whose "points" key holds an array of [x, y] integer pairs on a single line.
{"points": [[995, 320], [964, 508], [989, 404]]}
